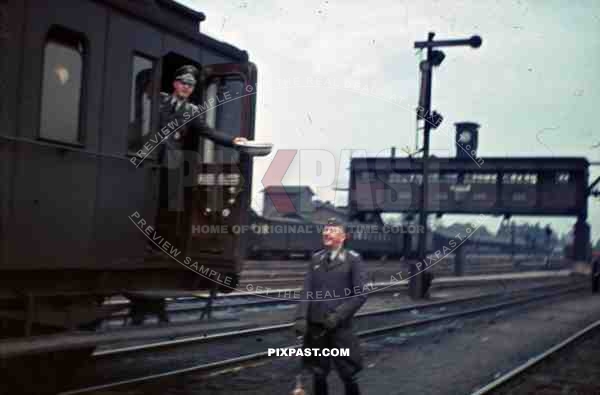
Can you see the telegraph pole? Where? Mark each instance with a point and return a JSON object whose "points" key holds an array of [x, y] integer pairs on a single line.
{"points": [[418, 284]]}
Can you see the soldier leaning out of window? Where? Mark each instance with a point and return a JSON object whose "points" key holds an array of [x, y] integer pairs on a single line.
{"points": [[175, 109], [177, 106], [177, 117]]}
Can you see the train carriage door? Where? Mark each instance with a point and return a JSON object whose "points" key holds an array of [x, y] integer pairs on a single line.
{"points": [[219, 200]]}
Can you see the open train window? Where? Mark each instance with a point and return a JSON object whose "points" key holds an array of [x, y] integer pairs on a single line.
{"points": [[396, 178], [218, 97], [449, 178], [519, 178], [223, 113], [60, 117], [206, 146], [367, 176], [434, 177], [142, 88], [411, 178], [480, 178], [562, 178]]}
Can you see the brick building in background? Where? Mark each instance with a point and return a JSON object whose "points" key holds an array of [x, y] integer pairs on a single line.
{"points": [[291, 201]]}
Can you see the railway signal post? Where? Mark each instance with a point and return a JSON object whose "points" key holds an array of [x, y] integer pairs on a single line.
{"points": [[419, 282]]}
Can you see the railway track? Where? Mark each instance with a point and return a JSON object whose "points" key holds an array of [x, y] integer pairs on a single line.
{"points": [[382, 272], [569, 367], [256, 340], [236, 301], [233, 333]]}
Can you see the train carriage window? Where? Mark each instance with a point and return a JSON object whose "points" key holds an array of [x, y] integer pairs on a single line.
{"points": [[449, 178], [366, 176], [406, 178], [519, 178], [562, 178], [434, 177], [222, 114], [60, 117], [229, 114], [208, 146], [414, 178], [140, 117], [396, 178], [479, 178]]}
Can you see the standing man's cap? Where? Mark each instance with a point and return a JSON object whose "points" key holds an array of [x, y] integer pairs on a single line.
{"points": [[187, 74], [336, 222]]}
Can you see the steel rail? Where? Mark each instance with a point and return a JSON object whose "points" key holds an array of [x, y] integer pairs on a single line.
{"points": [[387, 288], [10, 348], [525, 367], [277, 327], [235, 363]]}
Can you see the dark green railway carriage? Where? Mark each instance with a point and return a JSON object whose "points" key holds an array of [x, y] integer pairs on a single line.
{"points": [[81, 82]]}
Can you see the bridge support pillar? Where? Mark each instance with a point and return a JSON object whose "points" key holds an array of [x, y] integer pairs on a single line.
{"points": [[419, 284], [416, 283], [459, 261], [581, 241], [595, 275]]}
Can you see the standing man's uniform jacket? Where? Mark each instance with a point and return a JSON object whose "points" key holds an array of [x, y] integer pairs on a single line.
{"points": [[333, 292]]}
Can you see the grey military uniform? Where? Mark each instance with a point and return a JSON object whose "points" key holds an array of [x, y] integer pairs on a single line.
{"points": [[177, 119], [335, 288]]}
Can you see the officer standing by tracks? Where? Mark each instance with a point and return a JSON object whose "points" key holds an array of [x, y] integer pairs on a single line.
{"points": [[334, 290]]}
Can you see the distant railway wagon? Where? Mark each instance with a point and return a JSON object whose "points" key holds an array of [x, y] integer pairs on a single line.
{"points": [[293, 238], [381, 241], [290, 237], [282, 237], [80, 158]]}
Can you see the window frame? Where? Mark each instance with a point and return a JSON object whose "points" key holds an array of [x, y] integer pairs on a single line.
{"points": [[154, 106], [211, 152], [63, 32]]}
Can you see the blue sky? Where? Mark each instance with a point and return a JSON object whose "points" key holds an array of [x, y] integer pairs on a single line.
{"points": [[336, 76]]}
